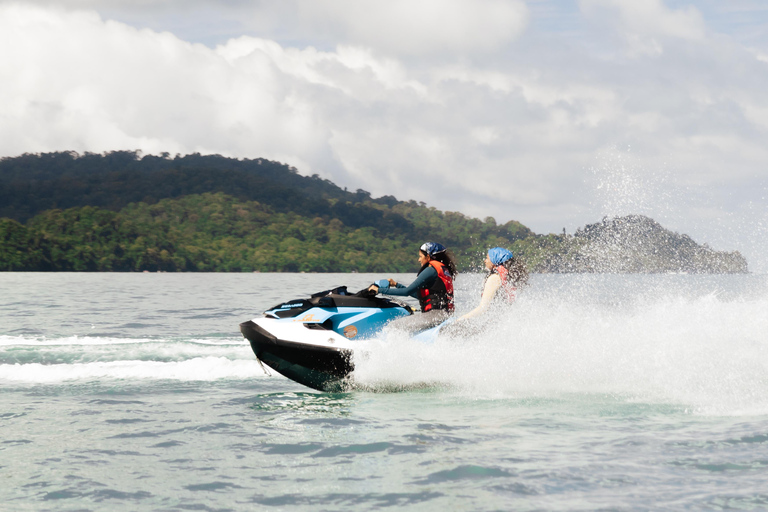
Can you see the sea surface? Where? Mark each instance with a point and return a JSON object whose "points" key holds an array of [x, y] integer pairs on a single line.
{"points": [[592, 392]]}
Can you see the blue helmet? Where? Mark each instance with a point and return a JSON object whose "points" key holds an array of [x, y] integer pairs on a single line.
{"points": [[499, 255], [432, 248]]}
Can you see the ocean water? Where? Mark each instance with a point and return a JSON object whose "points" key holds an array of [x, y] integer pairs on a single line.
{"points": [[603, 392]]}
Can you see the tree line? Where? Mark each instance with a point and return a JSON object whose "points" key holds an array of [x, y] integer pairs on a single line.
{"points": [[215, 232]]}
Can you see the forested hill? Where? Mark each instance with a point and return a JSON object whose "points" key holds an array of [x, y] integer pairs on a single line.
{"points": [[121, 211], [33, 183]]}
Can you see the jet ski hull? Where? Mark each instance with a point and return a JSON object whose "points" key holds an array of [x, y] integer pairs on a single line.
{"points": [[323, 368]]}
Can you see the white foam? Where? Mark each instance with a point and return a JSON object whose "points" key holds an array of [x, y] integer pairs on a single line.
{"points": [[704, 353], [77, 350], [198, 369], [9, 341]]}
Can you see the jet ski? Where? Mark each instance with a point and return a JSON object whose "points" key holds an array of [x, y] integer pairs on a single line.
{"points": [[311, 341]]}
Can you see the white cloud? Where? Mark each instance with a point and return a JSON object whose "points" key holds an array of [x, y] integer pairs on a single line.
{"points": [[404, 27], [395, 27], [317, 68], [77, 82], [646, 24]]}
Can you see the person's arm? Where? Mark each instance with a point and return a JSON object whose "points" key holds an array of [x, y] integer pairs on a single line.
{"points": [[492, 285], [423, 280]]}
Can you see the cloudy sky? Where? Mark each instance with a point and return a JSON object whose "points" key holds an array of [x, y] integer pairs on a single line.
{"points": [[551, 112]]}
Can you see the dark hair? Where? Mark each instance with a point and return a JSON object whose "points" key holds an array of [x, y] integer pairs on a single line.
{"points": [[518, 274], [446, 258]]}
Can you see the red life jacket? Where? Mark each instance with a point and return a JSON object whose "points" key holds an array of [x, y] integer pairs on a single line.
{"points": [[440, 294], [509, 289]]}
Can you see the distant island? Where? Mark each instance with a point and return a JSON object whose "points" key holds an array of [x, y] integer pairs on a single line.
{"points": [[121, 211], [635, 244]]}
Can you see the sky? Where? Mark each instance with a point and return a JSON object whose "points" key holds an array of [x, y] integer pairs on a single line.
{"points": [[553, 113]]}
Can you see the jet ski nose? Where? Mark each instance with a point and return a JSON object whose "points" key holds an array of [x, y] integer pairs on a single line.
{"points": [[256, 335]]}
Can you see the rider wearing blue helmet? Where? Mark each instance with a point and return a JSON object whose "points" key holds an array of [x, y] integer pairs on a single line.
{"points": [[433, 288]]}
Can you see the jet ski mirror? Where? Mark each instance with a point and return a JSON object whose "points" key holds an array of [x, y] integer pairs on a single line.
{"points": [[339, 290], [366, 293]]}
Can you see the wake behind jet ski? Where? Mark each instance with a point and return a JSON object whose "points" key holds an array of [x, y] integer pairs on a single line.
{"points": [[311, 341]]}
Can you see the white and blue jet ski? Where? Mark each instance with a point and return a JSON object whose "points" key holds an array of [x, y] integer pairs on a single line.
{"points": [[311, 341]]}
